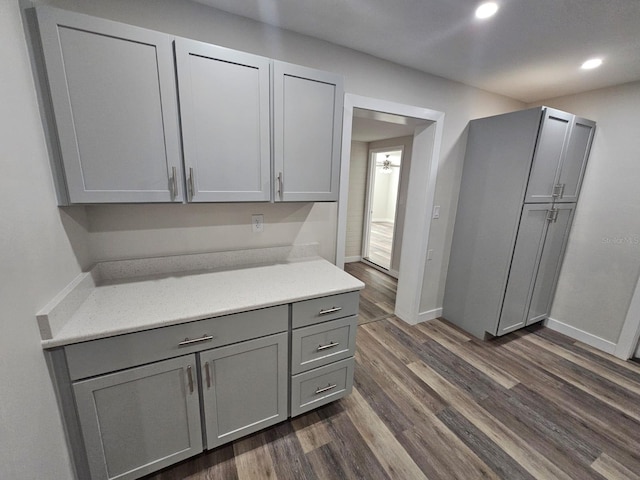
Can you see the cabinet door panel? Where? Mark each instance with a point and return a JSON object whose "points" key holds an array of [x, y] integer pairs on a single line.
{"points": [[550, 263], [114, 99], [548, 155], [307, 133], [224, 103], [575, 161], [526, 257], [244, 387], [140, 420]]}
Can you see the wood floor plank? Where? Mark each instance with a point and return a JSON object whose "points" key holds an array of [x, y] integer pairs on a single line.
{"points": [[326, 464], [311, 432], [612, 470], [582, 378], [394, 459], [492, 455], [510, 442], [289, 461], [497, 374], [253, 459]]}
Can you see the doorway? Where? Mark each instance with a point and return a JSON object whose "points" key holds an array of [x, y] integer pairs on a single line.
{"points": [[420, 192], [381, 207]]}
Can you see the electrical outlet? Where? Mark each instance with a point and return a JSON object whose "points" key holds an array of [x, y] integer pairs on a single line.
{"points": [[257, 223], [436, 212]]}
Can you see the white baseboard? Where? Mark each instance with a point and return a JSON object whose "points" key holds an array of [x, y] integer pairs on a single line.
{"points": [[352, 259], [429, 315], [582, 336]]}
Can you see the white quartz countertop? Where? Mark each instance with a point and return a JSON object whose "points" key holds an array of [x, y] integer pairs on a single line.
{"points": [[135, 304]]}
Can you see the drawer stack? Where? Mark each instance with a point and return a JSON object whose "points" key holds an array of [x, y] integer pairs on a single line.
{"points": [[323, 342]]}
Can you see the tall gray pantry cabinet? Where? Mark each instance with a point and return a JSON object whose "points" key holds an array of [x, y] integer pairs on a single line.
{"points": [[521, 178]]}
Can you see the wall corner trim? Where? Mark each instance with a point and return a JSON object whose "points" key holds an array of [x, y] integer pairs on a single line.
{"points": [[582, 336]]}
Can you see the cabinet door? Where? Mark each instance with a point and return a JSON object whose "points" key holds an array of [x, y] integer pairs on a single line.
{"points": [[224, 108], [114, 100], [524, 267], [550, 263], [307, 133], [575, 160], [140, 420], [552, 140], [244, 387]]}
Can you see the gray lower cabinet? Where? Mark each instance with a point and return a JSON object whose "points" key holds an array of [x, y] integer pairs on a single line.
{"points": [[244, 387], [323, 345], [140, 420]]}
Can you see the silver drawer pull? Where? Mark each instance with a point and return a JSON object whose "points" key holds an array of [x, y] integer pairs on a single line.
{"points": [[330, 310], [328, 345], [189, 341], [325, 389]]}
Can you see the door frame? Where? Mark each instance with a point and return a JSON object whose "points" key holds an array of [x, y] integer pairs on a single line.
{"points": [[425, 155], [630, 334], [366, 230]]}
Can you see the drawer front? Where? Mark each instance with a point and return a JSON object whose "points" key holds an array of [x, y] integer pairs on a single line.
{"points": [[318, 387], [115, 353], [323, 309], [321, 344]]}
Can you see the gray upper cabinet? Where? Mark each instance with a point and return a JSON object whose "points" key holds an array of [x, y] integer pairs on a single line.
{"points": [[224, 110], [115, 106], [244, 387], [139, 420], [307, 109], [560, 157], [575, 160]]}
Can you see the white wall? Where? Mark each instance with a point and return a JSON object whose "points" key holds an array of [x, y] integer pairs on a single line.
{"points": [[44, 247], [357, 198], [603, 255]]}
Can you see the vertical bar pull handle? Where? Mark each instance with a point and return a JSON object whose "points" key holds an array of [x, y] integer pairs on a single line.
{"points": [[174, 182], [557, 188], [562, 185], [192, 187], [190, 378], [280, 185], [207, 374]]}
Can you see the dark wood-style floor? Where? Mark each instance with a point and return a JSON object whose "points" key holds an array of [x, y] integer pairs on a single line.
{"points": [[431, 402]]}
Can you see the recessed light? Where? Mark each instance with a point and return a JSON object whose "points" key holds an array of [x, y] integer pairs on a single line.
{"points": [[486, 10], [591, 63]]}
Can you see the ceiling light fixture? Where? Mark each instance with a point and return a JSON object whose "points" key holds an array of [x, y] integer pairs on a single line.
{"points": [[486, 10], [591, 63]]}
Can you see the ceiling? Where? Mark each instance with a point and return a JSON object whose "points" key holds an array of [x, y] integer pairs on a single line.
{"points": [[530, 50], [370, 126]]}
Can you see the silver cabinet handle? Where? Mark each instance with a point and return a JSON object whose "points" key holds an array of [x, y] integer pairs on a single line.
{"points": [[191, 341], [192, 188], [330, 310], [280, 184], [174, 182], [552, 215], [327, 346], [562, 185], [557, 189], [325, 389], [190, 377], [207, 374]]}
